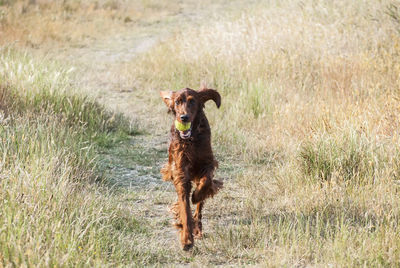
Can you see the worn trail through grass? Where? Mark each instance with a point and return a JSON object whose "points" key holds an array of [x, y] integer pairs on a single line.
{"points": [[132, 167]]}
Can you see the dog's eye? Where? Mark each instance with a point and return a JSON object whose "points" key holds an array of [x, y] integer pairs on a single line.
{"points": [[191, 101]]}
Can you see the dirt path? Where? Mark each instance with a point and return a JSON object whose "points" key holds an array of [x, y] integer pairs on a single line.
{"points": [[133, 168], [100, 66]]}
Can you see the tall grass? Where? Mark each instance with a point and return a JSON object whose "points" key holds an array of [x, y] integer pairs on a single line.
{"points": [[52, 214], [307, 138], [307, 130], [350, 156]]}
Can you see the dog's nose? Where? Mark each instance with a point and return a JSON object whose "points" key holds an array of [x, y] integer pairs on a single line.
{"points": [[184, 118]]}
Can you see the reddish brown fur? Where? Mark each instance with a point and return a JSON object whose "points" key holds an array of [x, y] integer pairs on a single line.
{"points": [[191, 160]]}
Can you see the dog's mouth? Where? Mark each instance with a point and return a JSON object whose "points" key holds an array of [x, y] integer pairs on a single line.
{"points": [[185, 134], [184, 128]]}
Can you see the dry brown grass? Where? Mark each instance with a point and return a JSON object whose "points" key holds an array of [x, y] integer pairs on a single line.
{"points": [[59, 23], [310, 104], [307, 135]]}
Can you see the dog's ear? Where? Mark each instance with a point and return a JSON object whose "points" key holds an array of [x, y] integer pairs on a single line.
{"points": [[210, 94], [168, 98]]}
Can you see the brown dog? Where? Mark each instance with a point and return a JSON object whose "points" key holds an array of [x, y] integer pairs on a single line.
{"points": [[190, 158]]}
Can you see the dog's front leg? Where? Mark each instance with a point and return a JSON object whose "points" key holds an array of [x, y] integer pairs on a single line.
{"points": [[183, 187], [206, 187]]}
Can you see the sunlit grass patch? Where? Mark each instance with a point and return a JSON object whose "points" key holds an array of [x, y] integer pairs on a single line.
{"points": [[52, 212], [350, 156], [75, 22]]}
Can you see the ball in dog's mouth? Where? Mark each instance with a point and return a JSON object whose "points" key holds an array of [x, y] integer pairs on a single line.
{"points": [[185, 129]]}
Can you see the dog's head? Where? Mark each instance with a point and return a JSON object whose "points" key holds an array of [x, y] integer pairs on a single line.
{"points": [[185, 105]]}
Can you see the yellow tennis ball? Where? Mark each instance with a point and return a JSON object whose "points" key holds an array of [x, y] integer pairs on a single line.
{"points": [[182, 126]]}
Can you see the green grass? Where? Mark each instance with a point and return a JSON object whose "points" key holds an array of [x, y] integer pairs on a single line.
{"points": [[351, 156], [52, 213]]}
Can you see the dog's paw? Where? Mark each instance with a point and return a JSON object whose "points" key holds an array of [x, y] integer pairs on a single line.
{"points": [[187, 240], [187, 247], [197, 229]]}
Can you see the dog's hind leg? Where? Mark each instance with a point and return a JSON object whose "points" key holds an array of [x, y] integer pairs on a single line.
{"points": [[174, 210], [198, 227]]}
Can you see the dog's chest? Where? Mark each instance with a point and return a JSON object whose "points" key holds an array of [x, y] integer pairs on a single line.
{"points": [[189, 152]]}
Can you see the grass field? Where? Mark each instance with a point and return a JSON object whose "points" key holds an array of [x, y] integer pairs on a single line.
{"points": [[307, 135]]}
